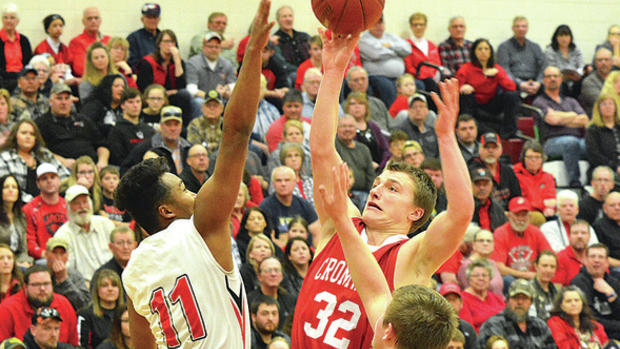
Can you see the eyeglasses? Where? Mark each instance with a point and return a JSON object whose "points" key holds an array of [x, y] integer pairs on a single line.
{"points": [[40, 284], [125, 243], [168, 41], [199, 155], [605, 180], [213, 47]]}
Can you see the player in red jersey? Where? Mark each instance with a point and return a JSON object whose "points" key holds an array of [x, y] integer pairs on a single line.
{"points": [[404, 319], [329, 312]]}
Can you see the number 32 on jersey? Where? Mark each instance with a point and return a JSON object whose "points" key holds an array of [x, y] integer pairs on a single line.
{"points": [[341, 323], [182, 294]]}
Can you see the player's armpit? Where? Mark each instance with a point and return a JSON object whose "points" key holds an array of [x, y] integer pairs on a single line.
{"points": [[139, 328]]}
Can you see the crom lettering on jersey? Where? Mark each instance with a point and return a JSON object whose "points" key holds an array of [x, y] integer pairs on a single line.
{"points": [[335, 271]]}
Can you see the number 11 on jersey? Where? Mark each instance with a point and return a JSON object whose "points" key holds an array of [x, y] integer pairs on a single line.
{"points": [[184, 293]]}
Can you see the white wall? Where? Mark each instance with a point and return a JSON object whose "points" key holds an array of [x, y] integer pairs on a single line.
{"points": [[589, 19]]}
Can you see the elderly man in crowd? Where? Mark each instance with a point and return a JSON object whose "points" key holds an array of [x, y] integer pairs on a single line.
{"points": [[91, 19], [608, 227], [87, 235], [592, 84], [122, 243], [357, 81], [591, 205], [416, 127], [67, 280], [454, 51], [142, 41], [556, 231], [216, 22]]}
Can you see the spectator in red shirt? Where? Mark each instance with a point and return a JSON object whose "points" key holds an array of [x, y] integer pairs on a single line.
{"points": [[16, 311], [537, 185], [422, 50], [54, 25], [518, 243], [571, 259], [15, 50], [46, 212], [316, 50], [479, 81], [478, 301], [91, 19]]}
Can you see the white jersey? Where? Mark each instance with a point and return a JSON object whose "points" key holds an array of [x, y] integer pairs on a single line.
{"points": [[189, 300]]}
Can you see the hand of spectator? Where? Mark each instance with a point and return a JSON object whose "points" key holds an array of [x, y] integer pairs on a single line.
{"points": [[60, 271], [602, 286], [447, 108], [337, 50], [171, 92], [280, 241], [74, 81], [174, 51], [572, 75], [467, 89], [535, 85], [124, 68], [275, 39], [525, 86], [375, 165], [82, 181], [228, 44], [101, 165], [280, 92], [58, 72], [490, 72], [386, 44], [582, 119]]}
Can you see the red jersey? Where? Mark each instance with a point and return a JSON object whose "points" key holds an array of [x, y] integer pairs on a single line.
{"points": [[518, 252], [42, 221], [329, 311]]}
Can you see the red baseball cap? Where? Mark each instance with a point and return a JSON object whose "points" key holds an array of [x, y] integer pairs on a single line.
{"points": [[448, 288], [518, 204]]}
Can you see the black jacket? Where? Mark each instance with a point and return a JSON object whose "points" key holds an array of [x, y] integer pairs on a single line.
{"points": [[496, 214], [31, 344], [608, 232], [125, 136], [135, 156], [601, 147], [93, 330], [508, 186]]}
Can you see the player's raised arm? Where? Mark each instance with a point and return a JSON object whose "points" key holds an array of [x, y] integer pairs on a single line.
{"points": [[337, 52], [445, 233], [216, 198], [365, 271]]}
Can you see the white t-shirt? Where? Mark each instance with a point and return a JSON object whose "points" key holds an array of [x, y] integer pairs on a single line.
{"points": [[189, 300]]}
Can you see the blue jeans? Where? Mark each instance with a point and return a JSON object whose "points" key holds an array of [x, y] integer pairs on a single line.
{"points": [[384, 88], [571, 149]]}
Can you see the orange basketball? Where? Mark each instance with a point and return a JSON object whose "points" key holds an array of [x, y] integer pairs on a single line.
{"points": [[348, 16]]}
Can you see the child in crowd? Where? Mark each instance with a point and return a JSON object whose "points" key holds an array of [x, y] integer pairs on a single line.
{"points": [[396, 143], [316, 50], [405, 87], [110, 176]]}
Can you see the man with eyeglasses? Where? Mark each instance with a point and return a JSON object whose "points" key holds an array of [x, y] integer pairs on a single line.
{"points": [[216, 22], [91, 19], [416, 127], [29, 103], [45, 330], [208, 71], [591, 205], [270, 275], [122, 243], [67, 280], [196, 173], [454, 51], [310, 89], [592, 84], [87, 234], [562, 126], [142, 41], [17, 311]]}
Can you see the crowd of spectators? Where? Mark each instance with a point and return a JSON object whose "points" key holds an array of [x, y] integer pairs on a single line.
{"points": [[537, 269]]}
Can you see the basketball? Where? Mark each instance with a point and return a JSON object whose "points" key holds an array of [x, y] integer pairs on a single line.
{"points": [[348, 17]]}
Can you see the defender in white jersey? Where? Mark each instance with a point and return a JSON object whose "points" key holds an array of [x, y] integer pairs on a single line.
{"points": [[183, 288]]}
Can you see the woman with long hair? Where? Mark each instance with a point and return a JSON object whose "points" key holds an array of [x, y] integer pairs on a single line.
{"points": [[601, 135], [298, 256], [572, 324], [566, 56], [11, 280], [98, 65], [103, 107], [13, 221], [166, 68], [22, 152], [85, 172], [259, 248], [120, 336], [95, 320], [253, 222], [368, 132], [479, 80]]}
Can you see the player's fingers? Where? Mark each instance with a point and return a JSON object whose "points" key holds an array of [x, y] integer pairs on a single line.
{"points": [[438, 102]]}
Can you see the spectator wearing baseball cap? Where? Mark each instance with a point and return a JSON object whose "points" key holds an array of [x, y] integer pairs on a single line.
{"points": [[520, 329], [142, 41], [207, 129], [217, 22], [488, 214], [416, 127], [452, 293], [87, 234], [44, 332], [66, 280], [46, 212], [208, 71], [505, 183], [29, 103], [518, 243]]}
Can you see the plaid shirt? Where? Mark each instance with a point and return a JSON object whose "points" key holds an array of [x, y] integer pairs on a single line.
{"points": [[200, 131], [23, 108], [452, 55], [13, 164], [536, 336]]}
